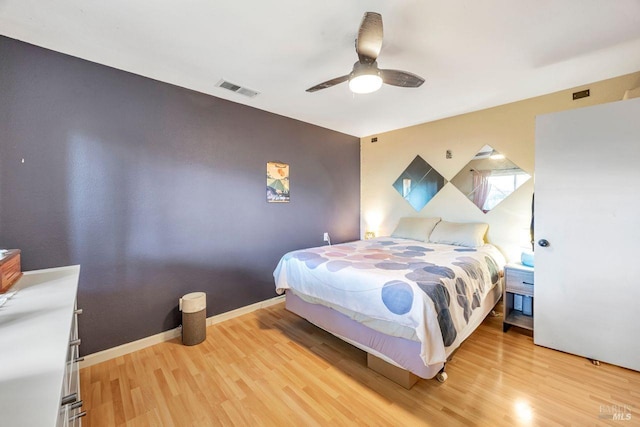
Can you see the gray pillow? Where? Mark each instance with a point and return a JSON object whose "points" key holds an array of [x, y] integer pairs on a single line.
{"points": [[459, 234], [415, 228]]}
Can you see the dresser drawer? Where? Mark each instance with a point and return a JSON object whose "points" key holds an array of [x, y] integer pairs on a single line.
{"points": [[519, 281]]}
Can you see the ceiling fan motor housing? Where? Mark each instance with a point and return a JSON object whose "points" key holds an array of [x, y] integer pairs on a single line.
{"points": [[360, 69]]}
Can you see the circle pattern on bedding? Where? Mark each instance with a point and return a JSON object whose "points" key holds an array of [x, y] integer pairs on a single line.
{"points": [[397, 296]]}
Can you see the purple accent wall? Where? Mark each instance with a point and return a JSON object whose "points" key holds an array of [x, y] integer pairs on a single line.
{"points": [[157, 190]]}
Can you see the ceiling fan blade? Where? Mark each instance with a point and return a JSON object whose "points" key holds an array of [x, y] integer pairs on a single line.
{"points": [[369, 41], [401, 78], [329, 83]]}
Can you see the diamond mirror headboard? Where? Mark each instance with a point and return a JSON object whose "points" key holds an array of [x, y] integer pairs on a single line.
{"points": [[489, 178], [419, 183]]}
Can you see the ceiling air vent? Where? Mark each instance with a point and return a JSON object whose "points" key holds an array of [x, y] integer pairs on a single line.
{"points": [[237, 89]]}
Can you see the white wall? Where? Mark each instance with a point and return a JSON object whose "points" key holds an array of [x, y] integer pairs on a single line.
{"points": [[509, 129]]}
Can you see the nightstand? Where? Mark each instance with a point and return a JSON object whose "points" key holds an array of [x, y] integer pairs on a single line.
{"points": [[518, 297]]}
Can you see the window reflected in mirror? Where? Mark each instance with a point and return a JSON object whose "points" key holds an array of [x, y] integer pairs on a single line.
{"points": [[489, 178], [419, 183]]}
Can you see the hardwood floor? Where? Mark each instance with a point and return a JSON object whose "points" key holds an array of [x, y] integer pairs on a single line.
{"points": [[271, 368]]}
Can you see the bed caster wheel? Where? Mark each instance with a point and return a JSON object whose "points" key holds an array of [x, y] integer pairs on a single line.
{"points": [[442, 377]]}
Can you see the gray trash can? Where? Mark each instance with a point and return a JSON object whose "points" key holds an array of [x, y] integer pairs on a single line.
{"points": [[194, 318]]}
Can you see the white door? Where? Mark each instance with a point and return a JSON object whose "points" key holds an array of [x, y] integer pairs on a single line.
{"points": [[587, 206]]}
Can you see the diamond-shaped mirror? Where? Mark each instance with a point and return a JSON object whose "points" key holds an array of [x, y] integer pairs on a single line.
{"points": [[489, 178], [419, 183]]}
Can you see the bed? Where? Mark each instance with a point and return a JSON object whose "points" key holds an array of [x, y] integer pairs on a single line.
{"points": [[407, 303]]}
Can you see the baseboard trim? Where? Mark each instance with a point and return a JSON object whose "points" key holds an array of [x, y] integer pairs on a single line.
{"points": [[121, 350]]}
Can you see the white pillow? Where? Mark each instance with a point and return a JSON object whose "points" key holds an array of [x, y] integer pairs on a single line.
{"points": [[415, 228], [459, 234]]}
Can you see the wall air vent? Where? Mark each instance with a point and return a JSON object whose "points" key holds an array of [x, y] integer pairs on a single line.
{"points": [[237, 89], [581, 94]]}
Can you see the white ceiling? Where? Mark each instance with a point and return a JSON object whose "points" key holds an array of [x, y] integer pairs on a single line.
{"points": [[473, 54]]}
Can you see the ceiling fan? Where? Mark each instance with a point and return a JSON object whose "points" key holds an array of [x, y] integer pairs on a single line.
{"points": [[366, 77]]}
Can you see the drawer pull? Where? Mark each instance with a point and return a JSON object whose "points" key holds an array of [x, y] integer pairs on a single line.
{"points": [[527, 283], [70, 398], [74, 342], [78, 415], [76, 405], [78, 311]]}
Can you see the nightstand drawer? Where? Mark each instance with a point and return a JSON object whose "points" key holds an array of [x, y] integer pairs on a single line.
{"points": [[519, 281]]}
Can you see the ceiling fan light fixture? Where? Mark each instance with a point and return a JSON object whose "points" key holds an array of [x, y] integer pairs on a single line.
{"points": [[365, 83], [365, 78], [496, 155]]}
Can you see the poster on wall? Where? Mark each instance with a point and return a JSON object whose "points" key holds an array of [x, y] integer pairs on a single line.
{"points": [[277, 182]]}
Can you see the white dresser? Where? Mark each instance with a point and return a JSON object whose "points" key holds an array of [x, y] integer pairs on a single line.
{"points": [[39, 380]]}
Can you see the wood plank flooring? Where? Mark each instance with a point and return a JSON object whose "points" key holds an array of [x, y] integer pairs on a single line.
{"points": [[272, 368]]}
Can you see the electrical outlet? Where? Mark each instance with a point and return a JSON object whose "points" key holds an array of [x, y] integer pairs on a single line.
{"points": [[326, 236]]}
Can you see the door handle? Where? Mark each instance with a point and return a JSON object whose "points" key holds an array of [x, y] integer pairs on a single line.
{"points": [[543, 242]]}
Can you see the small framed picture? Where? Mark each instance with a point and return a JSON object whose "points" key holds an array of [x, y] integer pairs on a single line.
{"points": [[277, 182]]}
